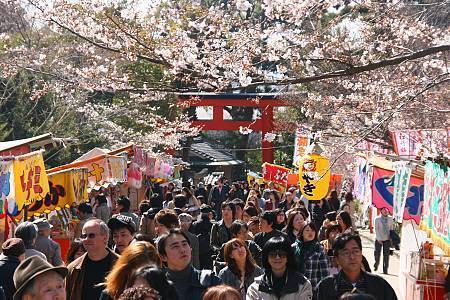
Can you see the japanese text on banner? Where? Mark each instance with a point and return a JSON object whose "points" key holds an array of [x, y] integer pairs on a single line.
{"points": [[30, 178]]}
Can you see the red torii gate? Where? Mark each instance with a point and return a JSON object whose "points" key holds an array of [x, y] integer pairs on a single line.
{"points": [[265, 102]]}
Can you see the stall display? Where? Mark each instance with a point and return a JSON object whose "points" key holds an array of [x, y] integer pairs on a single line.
{"points": [[425, 274]]}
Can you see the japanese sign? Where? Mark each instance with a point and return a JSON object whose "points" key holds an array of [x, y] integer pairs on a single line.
{"points": [[105, 170], [66, 187], [383, 193], [412, 143], [275, 173], [314, 175], [302, 139], [401, 184], [436, 206], [30, 179]]}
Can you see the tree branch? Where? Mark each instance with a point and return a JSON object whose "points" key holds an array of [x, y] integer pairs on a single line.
{"points": [[357, 69]]}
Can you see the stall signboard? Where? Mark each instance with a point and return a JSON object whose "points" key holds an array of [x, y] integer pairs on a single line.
{"points": [[436, 207], [383, 193], [66, 187], [109, 169], [314, 176], [275, 173], [30, 179]]}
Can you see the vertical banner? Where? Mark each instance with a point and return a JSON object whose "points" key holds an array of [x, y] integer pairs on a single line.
{"points": [[436, 212], [301, 142], [314, 175], [382, 191], [401, 184], [30, 178], [6, 195]]}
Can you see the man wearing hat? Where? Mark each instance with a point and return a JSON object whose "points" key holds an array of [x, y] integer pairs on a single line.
{"points": [[36, 279], [45, 244], [123, 229], [13, 252]]}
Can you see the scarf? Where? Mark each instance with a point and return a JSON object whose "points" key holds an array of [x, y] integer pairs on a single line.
{"points": [[302, 251]]}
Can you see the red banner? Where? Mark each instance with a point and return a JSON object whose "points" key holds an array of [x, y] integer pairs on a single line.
{"points": [[383, 193], [275, 173]]}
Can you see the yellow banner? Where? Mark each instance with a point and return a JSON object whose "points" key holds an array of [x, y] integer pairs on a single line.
{"points": [[66, 187], [314, 176], [30, 178]]}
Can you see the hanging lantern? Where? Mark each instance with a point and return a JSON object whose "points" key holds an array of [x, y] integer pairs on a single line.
{"points": [[314, 174]]}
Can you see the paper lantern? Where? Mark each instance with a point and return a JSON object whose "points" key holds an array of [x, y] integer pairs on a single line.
{"points": [[314, 176]]}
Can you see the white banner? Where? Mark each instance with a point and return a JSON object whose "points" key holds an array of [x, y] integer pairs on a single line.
{"points": [[401, 188]]}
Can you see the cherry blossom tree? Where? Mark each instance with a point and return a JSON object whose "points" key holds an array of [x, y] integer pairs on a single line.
{"points": [[351, 69]]}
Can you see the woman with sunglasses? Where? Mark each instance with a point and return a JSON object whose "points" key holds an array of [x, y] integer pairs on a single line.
{"points": [[310, 257], [280, 280], [241, 268]]}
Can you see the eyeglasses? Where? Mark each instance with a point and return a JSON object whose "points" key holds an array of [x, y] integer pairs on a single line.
{"points": [[347, 253], [279, 253], [88, 235]]}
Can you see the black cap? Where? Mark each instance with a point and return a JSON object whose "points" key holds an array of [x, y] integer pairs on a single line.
{"points": [[122, 221]]}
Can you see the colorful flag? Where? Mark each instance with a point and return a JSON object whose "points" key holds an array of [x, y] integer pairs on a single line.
{"points": [[401, 184]]}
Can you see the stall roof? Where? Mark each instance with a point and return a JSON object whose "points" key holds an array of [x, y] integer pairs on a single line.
{"points": [[34, 142]]}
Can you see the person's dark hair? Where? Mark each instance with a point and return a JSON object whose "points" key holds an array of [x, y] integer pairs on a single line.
{"points": [[73, 249], [201, 199], [344, 204], [333, 195], [278, 243], [236, 227], [157, 280], [85, 208], [250, 264], [163, 238], [238, 202], [144, 206], [188, 192], [156, 201], [304, 210], [343, 239], [290, 222], [310, 225], [27, 231], [180, 201], [136, 293], [331, 216], [167, 217], [330, 229], [230, 205], [140, 237], [345, 216], [348, 197], [221, 292], [269, 216], [356, 296], [101, 199], [125, 202], [251, 211], [275, 195]]}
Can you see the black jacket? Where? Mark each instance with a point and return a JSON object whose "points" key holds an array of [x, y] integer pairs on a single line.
{"points": [[8, 265], [200, 282], [332, 287]]}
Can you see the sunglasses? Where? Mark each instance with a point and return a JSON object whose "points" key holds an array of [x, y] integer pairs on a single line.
{"points": [[279, 253], [88, 235]]}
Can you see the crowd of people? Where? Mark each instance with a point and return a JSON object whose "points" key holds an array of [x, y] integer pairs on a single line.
{"points": [[228, 241]]}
